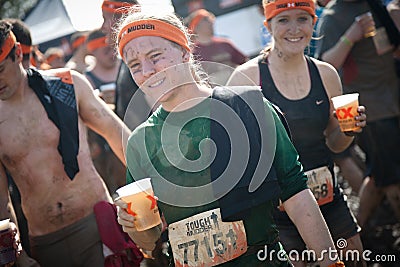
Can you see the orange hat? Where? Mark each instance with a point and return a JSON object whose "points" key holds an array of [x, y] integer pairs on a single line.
{"points": [[151, 27], [116, 7], [96, 43], [274, 8], [200, 14], [8, 44]]}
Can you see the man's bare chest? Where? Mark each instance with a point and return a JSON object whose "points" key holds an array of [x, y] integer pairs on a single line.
{"points": [[26, 130]]}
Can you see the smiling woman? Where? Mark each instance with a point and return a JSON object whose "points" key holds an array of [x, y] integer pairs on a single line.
{"points": [[302, 87], [191, 149]]}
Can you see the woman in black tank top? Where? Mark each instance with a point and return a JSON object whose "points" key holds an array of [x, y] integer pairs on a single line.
{"points": [[302, 88]]}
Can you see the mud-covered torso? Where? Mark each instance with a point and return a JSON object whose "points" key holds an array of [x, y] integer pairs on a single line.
{"points": [[28, 151]]}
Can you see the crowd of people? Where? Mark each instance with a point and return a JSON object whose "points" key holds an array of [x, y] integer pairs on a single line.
{"points": [[241, 151]]}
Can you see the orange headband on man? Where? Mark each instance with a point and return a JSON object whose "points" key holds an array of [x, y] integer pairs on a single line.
{"points": [[78, 42], [200, 14], [96, 43], [8, 44], [26, 49], [151, 27], [274, 8], [116, 7]]}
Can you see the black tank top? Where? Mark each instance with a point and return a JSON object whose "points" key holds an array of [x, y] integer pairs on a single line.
{"points": [[307, 117], [96, 80]]}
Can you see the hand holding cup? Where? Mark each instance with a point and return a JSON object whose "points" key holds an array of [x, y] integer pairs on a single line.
{"points": [[351, 116], [367, 24], [140, 204], [126, 220]]}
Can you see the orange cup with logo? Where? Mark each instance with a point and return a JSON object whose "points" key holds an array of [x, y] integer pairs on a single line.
{"points": [[141, 202], [346, 110]]}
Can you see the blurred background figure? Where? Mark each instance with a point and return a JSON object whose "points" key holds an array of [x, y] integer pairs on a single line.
{"points": [[105, 71], [208, 47], [103, 76], [37, 58], [394, 11], [126, 87], [78, 60], [357, 40], [55, 57]]}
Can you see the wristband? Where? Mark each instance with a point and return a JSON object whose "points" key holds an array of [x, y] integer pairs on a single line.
{"points": [[337, 264], [346, 40]]}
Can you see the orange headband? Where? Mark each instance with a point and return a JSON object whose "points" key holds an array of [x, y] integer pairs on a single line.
{"points": [[201, 14], [96, 43], [116, 7], [78, 42], [26, 49], [151, 27], [9, 43], [53, 57], [274, 8]]}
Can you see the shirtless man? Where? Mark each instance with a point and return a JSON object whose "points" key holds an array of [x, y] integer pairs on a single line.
{"points": [[58, 203]]}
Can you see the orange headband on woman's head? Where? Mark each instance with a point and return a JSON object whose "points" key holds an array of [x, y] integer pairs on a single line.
{"points": [[8, 44], [274, 8], [96, 43], [151, 27], [116, 7], [201, 14], [78, 42]]}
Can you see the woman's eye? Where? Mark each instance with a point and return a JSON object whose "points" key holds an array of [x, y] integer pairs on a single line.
{"points": [[303, 19], [155, 56], [283, 20], [134, 67]]}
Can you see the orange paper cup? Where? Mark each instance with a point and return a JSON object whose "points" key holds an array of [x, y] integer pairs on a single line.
{"points": [[141, 203], [346, 110]]}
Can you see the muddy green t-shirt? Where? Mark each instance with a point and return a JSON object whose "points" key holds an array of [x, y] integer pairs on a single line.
{"points": [[173, 147]]}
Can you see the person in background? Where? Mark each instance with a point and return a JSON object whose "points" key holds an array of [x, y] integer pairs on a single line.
{"points": [[49, 159], [102, 77], [126, 87], [393, 8], [352, 42], [54, 57], [207, 46], [211, 48], [78, 60], [302, 87], [156, 55], [105, 71]]}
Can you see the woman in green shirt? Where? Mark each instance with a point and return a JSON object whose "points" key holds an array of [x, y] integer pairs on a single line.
{"points": [[210, 222]]}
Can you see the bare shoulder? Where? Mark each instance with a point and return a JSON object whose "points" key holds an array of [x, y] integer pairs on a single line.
{"points": [[246, 74], [330, 78]]}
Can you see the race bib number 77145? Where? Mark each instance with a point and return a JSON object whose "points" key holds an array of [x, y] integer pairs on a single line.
{"points": [[204, 240]]}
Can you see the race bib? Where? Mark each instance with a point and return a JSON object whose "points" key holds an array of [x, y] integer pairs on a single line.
{"points": [[321, 184], [204, 240]]}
